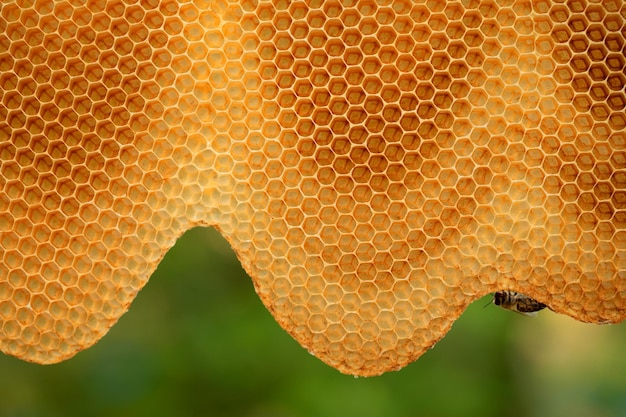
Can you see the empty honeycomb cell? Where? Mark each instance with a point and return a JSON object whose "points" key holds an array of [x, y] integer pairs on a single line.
{"points": [[375, 167]]}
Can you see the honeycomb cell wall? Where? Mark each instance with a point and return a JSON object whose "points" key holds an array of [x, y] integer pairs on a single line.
{"points": [[375, 165]]}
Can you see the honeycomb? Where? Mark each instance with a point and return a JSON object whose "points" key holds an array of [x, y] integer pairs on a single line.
{"points": [[375, 165]]}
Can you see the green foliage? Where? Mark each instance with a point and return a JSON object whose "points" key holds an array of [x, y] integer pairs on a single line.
{"points": [[197, 341]]}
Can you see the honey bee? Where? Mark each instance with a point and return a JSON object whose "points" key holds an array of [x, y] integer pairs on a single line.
{"points": [[518, 302]]}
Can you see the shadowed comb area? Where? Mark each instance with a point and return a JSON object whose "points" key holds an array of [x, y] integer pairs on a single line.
{"points": [[376, 166]]}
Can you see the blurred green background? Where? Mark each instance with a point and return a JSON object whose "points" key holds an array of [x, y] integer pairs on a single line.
{"points": [[198, 342]]}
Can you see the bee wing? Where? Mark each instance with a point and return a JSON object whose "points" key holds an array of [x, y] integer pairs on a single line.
{"points": [[527, 313]]}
